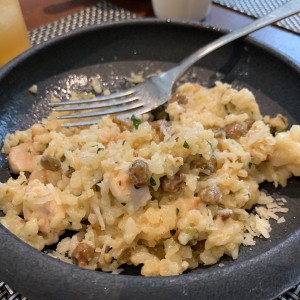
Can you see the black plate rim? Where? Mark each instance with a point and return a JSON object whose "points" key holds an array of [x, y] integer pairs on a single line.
{"points": [[160, 282]]}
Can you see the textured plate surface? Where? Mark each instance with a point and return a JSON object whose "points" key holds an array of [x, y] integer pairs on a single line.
{"points": [[113, 51]]}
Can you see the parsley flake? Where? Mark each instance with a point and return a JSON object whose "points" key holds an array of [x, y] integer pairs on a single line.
{"points": [[186, 145], [152, 181], [226, 108], [211, 146], [136, 122]]}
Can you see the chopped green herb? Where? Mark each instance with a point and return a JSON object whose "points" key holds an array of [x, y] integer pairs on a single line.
{"points": [[173, 232], [123, 142], [226, 108], [177, 211], [211, 147], [136, 122], [248, 195], [250, 165], [186, 145], [152, 181]]}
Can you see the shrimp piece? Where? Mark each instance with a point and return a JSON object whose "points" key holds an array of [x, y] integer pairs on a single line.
{"points": [[185, 204], [126, 193], [38, 129], [40, 175], [41, 203], [109, 134], [45, 176], [21, 158], [119, 186]]}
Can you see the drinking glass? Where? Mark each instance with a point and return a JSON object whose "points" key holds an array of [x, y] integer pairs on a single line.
{"points": [[13, 33], [181, 9]]}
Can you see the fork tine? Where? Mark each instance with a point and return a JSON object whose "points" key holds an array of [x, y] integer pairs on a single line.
{"points": [[108, 111], [96, 99], [125, 114], [94, 106]]}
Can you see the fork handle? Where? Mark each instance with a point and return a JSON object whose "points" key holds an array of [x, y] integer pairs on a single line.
{"points": [[290, 8]]}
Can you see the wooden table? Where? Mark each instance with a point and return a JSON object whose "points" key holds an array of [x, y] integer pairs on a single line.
{"points": [[40, 12]]}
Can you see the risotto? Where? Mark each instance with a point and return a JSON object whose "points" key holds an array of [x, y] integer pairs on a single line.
{"points": [[168, 191]]}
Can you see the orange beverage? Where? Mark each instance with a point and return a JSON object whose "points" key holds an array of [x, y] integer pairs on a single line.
{"points": [[13, 33]]}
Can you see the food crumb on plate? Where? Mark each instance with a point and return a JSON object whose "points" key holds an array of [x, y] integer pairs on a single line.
{"points": [[33, 89]]}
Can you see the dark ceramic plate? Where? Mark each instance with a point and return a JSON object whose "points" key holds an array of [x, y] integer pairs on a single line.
{"points": [[113, 51]]}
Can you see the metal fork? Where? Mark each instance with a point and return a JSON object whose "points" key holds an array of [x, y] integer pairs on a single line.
{"points": [[157, 90]]}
